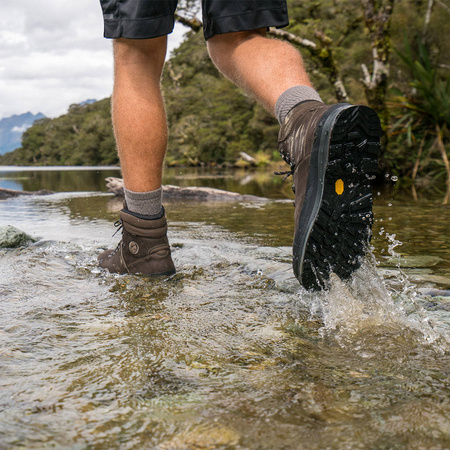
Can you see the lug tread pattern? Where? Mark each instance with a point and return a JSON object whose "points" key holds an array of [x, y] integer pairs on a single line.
{"points": [[343, 226]]}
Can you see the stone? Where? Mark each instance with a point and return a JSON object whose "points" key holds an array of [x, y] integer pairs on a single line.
{"points": [[439, 280], [203, 436], [12, 237], [411, 261]]}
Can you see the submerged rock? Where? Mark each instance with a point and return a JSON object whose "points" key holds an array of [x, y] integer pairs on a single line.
{"points": [[7, 193], [12, 237], [442, 293], [411, 261], [437, 280], [204, 436]]}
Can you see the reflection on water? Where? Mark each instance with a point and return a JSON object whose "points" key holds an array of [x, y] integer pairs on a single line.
{"points": [[57, 179], [75, 179], [230, 352]]}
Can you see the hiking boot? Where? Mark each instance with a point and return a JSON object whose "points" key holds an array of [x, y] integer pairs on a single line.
{"points": [[144, 247], [333, 154]]}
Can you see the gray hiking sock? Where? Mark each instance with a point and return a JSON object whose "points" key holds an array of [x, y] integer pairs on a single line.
{"points": [[144, 203], [293, 96]]}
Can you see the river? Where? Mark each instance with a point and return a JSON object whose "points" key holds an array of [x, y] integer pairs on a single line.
{"points": [[229, 353]]}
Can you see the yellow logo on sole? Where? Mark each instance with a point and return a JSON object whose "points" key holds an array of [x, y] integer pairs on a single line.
{"points": [[339, 187]]}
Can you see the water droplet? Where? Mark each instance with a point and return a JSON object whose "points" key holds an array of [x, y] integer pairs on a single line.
{"points": [[390, 218], [381, 220], [378, 193], [393, 243], [387, 175], [389, 204], [394, 178]]}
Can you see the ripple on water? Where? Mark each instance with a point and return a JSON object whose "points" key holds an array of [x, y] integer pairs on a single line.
{"points": [[229, 352]]}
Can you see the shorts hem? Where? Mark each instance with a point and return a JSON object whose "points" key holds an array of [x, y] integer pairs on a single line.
{"points": [[254, 20], [138, 28]]}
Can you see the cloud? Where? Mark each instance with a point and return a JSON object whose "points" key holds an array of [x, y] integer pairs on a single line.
{"points": [[21, 129], [53, 54]]}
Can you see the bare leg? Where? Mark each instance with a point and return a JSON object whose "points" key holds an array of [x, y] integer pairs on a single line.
{"points": [[138, 111], [141, 135], [263, 67]]}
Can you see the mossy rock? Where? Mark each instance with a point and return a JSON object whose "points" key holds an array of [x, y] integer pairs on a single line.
{"points": [[12, 237]]}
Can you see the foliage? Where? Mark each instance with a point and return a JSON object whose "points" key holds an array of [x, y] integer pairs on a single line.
{"points": [[423, 111], [83, 136], [429, 99], [341, 21]]}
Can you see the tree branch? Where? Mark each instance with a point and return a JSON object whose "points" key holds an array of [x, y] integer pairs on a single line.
{"points": [[441, 147], [443, 5], [366, 74], [430, 5], [377, 17], [292, 38], [194, 24]]}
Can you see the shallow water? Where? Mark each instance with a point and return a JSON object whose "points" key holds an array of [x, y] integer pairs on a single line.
{"points": [[230, 352]]}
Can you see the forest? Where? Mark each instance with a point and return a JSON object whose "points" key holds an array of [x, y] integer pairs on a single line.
{"points": [[393, 55]]}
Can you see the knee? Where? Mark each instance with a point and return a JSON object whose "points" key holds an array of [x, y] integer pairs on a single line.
{"points": [[222, 45], [140, 51]]}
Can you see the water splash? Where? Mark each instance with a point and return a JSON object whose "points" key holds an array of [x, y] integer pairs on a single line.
{"points": [[371, 306]]}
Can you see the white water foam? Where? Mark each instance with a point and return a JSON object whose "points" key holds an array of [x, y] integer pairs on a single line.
{"points": [[367, 302]]}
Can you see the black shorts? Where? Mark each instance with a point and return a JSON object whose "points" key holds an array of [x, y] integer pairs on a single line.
{"points": [[145, 19]]}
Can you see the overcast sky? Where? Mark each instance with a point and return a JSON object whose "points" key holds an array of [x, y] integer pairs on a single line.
{"points": [[53, 54]]}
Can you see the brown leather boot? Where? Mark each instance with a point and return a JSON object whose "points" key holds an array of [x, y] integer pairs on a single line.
{"points": [[332, 151], [144, 247]]}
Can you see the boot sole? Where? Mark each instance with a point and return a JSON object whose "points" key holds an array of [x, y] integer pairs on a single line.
{"points": [[335, 224]]}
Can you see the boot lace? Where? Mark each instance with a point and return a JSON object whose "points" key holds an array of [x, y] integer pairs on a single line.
{"points": [[288, 160], [119, 225], [287, 174]]}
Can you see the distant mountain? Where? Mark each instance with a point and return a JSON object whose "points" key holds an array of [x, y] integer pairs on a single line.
{"points": [[89, 101], [12, 128]]}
